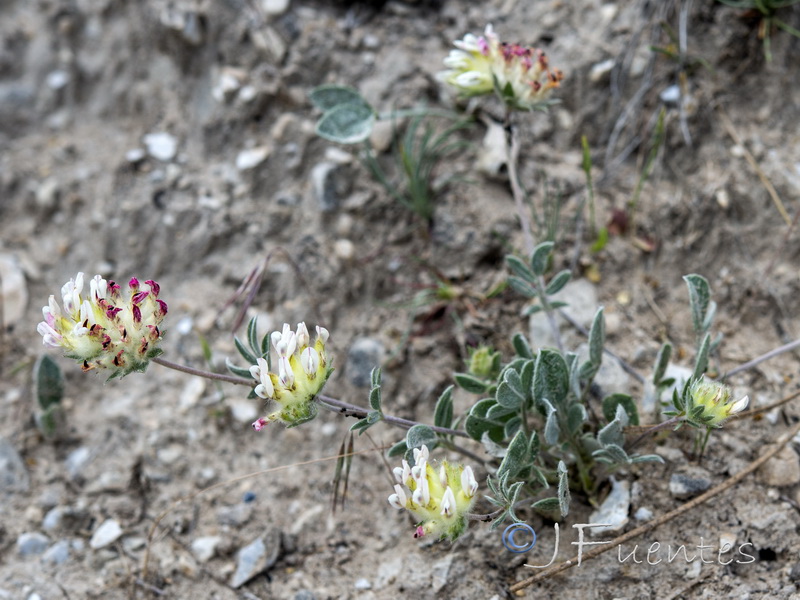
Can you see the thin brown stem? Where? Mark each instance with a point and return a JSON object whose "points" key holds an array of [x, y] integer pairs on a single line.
{"points": [[351, 410], [206, 374]]}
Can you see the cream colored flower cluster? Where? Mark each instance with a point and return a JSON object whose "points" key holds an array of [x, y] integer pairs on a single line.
{"points": [[439, 499], [106, 329], [519, 75], [303, 369]]}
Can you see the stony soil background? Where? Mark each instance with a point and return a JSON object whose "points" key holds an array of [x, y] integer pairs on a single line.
{"points": [[174, 140]]}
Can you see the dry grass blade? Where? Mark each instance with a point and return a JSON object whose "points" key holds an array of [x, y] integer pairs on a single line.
{"points": [[342, 473], [634, 533]]}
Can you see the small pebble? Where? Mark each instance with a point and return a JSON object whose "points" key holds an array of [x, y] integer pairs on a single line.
{"points": [[161, 145], [32, 543], [108, 533]]}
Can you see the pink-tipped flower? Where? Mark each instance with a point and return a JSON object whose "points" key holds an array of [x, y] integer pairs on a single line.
{"points": [[302, 371], [520, 76], [104, 329], [439, 499]]}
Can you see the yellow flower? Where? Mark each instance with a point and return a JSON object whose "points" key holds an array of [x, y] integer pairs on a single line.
{"points": [[440, 499], [103, 329], [303, 370]]}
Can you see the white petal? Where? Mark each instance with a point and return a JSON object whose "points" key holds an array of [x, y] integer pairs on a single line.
{"points": [[443, 476], [322, 334], [739, 405], [448, 502], [309, 360], [302, 335], [469, 484], [285, 372]]}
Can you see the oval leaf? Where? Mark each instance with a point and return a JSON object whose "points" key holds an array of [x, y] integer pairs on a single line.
{"points": [[346, 123]]}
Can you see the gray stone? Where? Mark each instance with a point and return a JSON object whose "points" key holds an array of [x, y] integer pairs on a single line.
{"points": [[13, 475], [305, 595], [364, 355], [601, 70], [275, 7], [53, 519], [782, 469], [76, 461], [581, 296], [362, 584], [330, 185], [252, 157], [204, 548], [14, 290], [58, 553], [243, 410], [614, 509], [689, 482], [256, 557], [492, 155], [236, 515], [108, 533], [611, 377], [161, 145], [32, 543]]}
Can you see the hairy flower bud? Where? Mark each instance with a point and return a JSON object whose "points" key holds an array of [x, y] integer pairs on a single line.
{"points": [[709, 403]]}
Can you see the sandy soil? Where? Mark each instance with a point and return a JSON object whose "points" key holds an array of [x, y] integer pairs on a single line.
{"points": [[81, 85]]}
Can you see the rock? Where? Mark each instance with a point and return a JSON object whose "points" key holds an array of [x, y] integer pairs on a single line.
{"points": [[251, 158], [329, 184], [108, 533], [47, 193], [242, 410], [32, 543], [161, 146], [611, 377], [57, 79], [344, 249], [191, 393], [364, 355], [643, 514], [382, 135], [256, 557], [204, 548], [581, 296], [229, 82], [492, 156], [440, 573], [690, 482], [304, 595], [670, 95], [14, 291], [613, 510], [362, 584], [135, 155], [782, 469], [53, 519], [651, 404], [275, 7], [601, 70], [13, 475], [235, 516], [76, 461], [58, 553]]}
